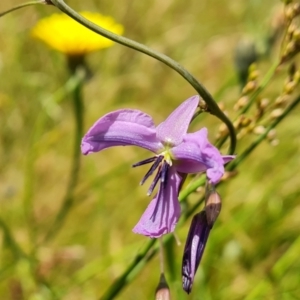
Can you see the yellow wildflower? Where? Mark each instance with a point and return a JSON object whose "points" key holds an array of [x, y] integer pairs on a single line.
{"points": [[64, 34]]}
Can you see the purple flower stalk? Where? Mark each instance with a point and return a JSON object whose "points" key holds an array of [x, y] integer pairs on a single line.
{"points": [[194, 248], [175, 151]]}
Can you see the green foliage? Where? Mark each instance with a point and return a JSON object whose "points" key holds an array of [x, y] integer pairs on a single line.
{"points": [[253, 249]]}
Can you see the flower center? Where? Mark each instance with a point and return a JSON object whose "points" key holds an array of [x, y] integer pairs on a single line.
{"points": [[161, 163]]}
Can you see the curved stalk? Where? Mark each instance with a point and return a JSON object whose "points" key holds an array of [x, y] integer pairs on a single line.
{"points": [[21, 6], [212, 105]]}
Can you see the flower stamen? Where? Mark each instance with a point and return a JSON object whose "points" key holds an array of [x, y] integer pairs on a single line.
{"points": [[157, 160], [162, 172], [144, 162], [155, 181]]}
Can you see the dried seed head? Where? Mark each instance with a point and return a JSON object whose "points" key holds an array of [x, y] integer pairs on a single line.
{"points": [[259, 130], [263, 103], [296, 76], [249, 87], [290, 51], [202, 105], [213, 206], [253, 74], [271, 134], [223, 131], [162, 291], [281, 100], [241, 103], [292, 11], [274, 142], [289, 87], [245, 121], [276, 113], [290, 30], [296, 35], [242, 121]]}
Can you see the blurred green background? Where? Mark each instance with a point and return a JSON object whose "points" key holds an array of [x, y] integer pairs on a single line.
{"points": [[253, 250]]}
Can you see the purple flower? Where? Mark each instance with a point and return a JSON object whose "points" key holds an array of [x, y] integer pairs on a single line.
{"points": [[194, 248], [175, 151]]}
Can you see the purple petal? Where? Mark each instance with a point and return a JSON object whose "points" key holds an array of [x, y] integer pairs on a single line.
{"points": [[172, 130], [163, 212], [121, 128], [227, 158], [195, 154]]}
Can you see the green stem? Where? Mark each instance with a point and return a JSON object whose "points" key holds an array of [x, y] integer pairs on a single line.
{"points": [[146, 255], [68, 200], [21, 6], [213, 106], [139, 261], [15, 248]]}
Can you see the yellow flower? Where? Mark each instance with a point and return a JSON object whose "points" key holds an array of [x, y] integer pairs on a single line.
{"points": [[62, 33]]}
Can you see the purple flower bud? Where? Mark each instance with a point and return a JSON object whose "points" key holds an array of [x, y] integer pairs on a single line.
{"points": [[213, 206], [193, 250]]}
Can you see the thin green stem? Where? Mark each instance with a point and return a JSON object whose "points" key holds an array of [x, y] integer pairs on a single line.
{"points": [[212, 105], [119, 284], [68, 200], [21, 6], [10, 241]]}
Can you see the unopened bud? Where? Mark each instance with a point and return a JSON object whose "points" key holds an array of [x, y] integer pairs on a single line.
{"points": [[193, 249], [213, 206], [162, 291]]}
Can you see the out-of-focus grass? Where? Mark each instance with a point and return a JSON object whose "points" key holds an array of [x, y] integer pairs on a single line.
{"points": [[253, 249]]}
